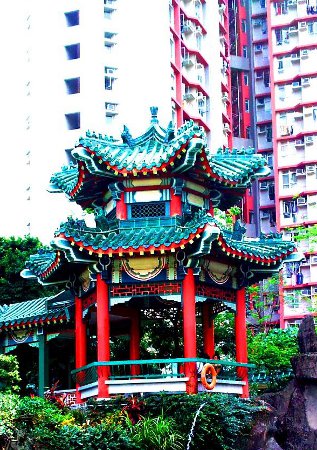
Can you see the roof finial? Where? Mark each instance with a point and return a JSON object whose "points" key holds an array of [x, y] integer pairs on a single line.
{"points": [[154, 110]]}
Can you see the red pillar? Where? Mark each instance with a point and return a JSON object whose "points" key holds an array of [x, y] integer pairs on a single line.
{"points": [[80, 343], [135, 341], [208, 331], [241, 339], [175, 205], [189, 324], [103, 335], [121, 208]]}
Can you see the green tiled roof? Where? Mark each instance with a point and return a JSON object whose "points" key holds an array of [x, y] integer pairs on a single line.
{"points": [[102, 159], [133, 234], [32, 311], [76, 243], [238, 166], [266, 249]]}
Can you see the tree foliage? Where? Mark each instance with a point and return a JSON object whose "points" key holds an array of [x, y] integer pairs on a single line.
{"points": [[14, 252], [273, 349], [9, 373]]}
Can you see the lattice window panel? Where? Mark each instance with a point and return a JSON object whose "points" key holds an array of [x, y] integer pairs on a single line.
{"points": [[148, 210]]}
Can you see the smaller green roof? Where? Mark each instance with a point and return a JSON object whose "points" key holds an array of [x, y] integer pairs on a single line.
{"points": [[40, 309]]}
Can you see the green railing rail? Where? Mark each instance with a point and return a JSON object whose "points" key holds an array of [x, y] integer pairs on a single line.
{"points": [[151, 368]]}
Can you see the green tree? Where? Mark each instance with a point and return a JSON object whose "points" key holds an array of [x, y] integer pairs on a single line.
{"points": [[14, 252], [9, 373], [271, 352], [262, 302]]}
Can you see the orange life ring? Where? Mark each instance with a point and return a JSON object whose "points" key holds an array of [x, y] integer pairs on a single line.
{"points": [[208, 369]]}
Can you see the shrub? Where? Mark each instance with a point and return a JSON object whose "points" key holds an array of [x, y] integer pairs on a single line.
{"points": [[222, 424], [157, 433], [8, 412]]}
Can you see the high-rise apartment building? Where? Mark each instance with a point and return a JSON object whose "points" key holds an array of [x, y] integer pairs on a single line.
{"points": [[242, 69], [284, 52]]}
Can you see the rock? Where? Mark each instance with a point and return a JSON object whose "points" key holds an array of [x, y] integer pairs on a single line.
{"points": [[272, 445], [305, 366], [307, 338]]}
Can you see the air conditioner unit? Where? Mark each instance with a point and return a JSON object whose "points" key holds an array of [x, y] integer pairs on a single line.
{"points": [[257, 23], [312, 200], [222, 9], [261, 129], [305, 81], [305, 292], [260, 103], [302, 25], [226, 127], [301, 201], [310, 169], [300, 171], [296, 85], [309, 140], [258, 48], [263, 185], [259, 75], [298, 115], [304, 53], [265, 215]]}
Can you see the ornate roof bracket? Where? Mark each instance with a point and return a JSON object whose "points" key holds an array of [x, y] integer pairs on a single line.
{"points": [[116, 189], [178, 185]]}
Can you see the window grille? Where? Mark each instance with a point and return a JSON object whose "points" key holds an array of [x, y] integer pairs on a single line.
{"points": [[148, 210]]}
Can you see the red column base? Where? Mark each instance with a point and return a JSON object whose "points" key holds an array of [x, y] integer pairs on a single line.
{"points": [[103, 388], [191, 374]]}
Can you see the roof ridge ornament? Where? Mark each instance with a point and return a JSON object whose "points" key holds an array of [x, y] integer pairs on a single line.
{"points": [[154, 111], [126, 136], [170, 132]]}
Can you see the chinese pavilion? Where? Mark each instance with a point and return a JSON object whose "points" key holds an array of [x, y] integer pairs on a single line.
{"points": [[154, 244]]}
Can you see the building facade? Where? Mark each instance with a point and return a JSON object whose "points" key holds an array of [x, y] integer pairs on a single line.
{"points": [[284, 46]]}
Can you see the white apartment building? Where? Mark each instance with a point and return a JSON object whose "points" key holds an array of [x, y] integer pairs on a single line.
{"points": [[74, 65]]}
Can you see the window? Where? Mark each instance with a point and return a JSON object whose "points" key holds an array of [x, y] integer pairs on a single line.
{"points": [[108, 14], [269, 159], [247, 105], [292, 299], [244, 25], [72, 121], [246, 79], [289, 179], [251, 217], [109, 83], [245, 51], [172, 48], [72, 85], [248, 132], [269, 133], [72, 18], [73, 51]]}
